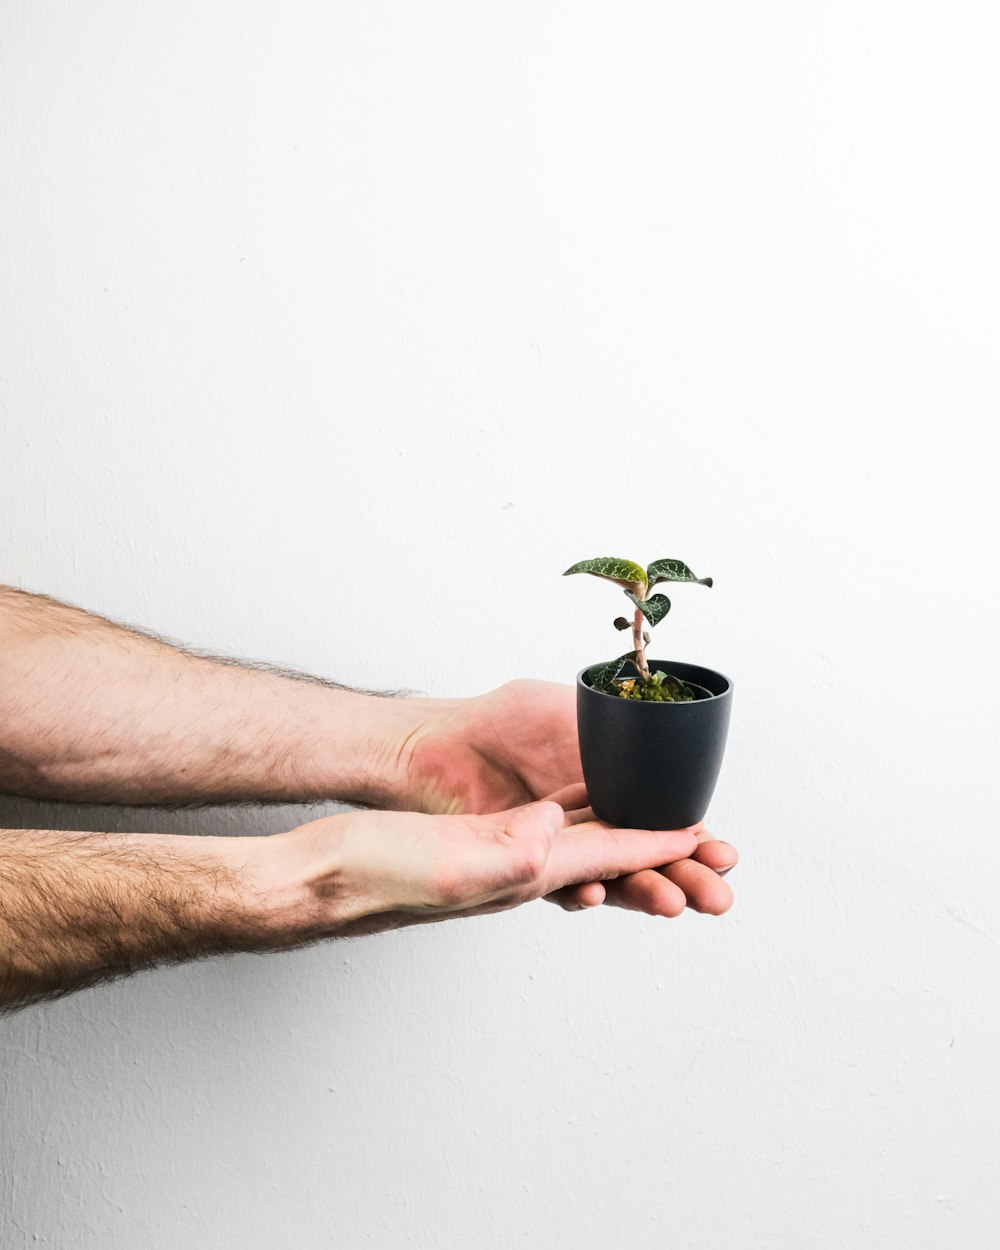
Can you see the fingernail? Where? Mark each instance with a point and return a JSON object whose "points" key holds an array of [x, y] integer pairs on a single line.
{"points": [[722, 871]]}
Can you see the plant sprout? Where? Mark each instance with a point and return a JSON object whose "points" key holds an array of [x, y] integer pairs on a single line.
{"points": [[650, 609]]}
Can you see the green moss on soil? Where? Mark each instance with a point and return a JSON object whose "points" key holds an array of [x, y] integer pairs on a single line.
{"points": [[661, 688]]}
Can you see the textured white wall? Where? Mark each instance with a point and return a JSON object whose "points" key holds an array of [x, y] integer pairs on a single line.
{"points": [[306, 304]]}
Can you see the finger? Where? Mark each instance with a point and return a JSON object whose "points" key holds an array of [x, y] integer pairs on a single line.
{"points": [[649, 892], [580, 816], [595, 851], [578, 897], [513, 855], [570, 798], [703, 888], [574, 802], [719, 856], [538, 821]]}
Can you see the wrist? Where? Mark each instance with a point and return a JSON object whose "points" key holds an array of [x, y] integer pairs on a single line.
{"points": [[282, 883], [365, 745]]}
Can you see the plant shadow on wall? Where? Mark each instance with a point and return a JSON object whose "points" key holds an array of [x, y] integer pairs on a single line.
{"points": [[652, 734]]}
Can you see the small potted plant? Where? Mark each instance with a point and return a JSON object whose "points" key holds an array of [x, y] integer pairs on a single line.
{"points": [[652, 732]]}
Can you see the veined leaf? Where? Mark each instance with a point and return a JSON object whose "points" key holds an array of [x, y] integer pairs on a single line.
{"points": [[673, 571], [602, 675], [654, 609], [623, 572]]}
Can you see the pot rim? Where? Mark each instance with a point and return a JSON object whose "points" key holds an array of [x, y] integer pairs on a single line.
{"points": [[664, 664]]}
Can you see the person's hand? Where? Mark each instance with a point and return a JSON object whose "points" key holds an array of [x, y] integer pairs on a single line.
{"points": [[366, 871], [665, 890], [519, 743]]}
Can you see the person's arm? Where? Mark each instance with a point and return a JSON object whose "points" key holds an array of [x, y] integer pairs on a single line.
{"points": [[80, 908], [97, 712]]}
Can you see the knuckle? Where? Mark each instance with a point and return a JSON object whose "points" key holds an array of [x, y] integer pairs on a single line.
{"points": [[531, 860], [447, 888]]}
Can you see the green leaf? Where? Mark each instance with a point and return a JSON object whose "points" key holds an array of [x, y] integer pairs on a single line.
{"points": [[602, 675], [676, 688], [673, 571], [622, 572], [654, 609]]}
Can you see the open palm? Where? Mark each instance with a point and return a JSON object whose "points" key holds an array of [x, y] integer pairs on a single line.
{"points": [[519, 743]]}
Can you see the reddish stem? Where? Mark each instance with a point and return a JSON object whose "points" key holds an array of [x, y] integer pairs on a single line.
{"points": [[640, 646]]}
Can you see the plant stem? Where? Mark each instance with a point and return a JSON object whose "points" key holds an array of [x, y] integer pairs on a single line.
{"points": [[640, 646]]}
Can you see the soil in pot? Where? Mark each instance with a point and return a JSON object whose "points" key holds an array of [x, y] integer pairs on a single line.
{"points": [[664, 688]]}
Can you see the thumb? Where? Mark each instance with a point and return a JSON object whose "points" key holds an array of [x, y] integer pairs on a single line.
{"points": [[529, 833], [537, 819]]}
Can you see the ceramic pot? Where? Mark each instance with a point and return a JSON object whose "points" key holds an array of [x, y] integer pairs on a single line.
{"points": [[653, 765]]}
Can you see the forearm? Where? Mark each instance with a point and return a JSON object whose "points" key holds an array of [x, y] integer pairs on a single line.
{"points": [[80, 908], [93, 711]]}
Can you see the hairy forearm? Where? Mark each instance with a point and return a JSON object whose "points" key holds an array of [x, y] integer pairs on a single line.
{"points": [[93, 711], [80, 908]]}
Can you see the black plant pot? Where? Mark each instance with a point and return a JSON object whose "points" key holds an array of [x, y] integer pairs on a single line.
{"points": [[653, 765]]}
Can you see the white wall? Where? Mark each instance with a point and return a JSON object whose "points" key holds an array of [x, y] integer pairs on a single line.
{"points": [[290, 291]]}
